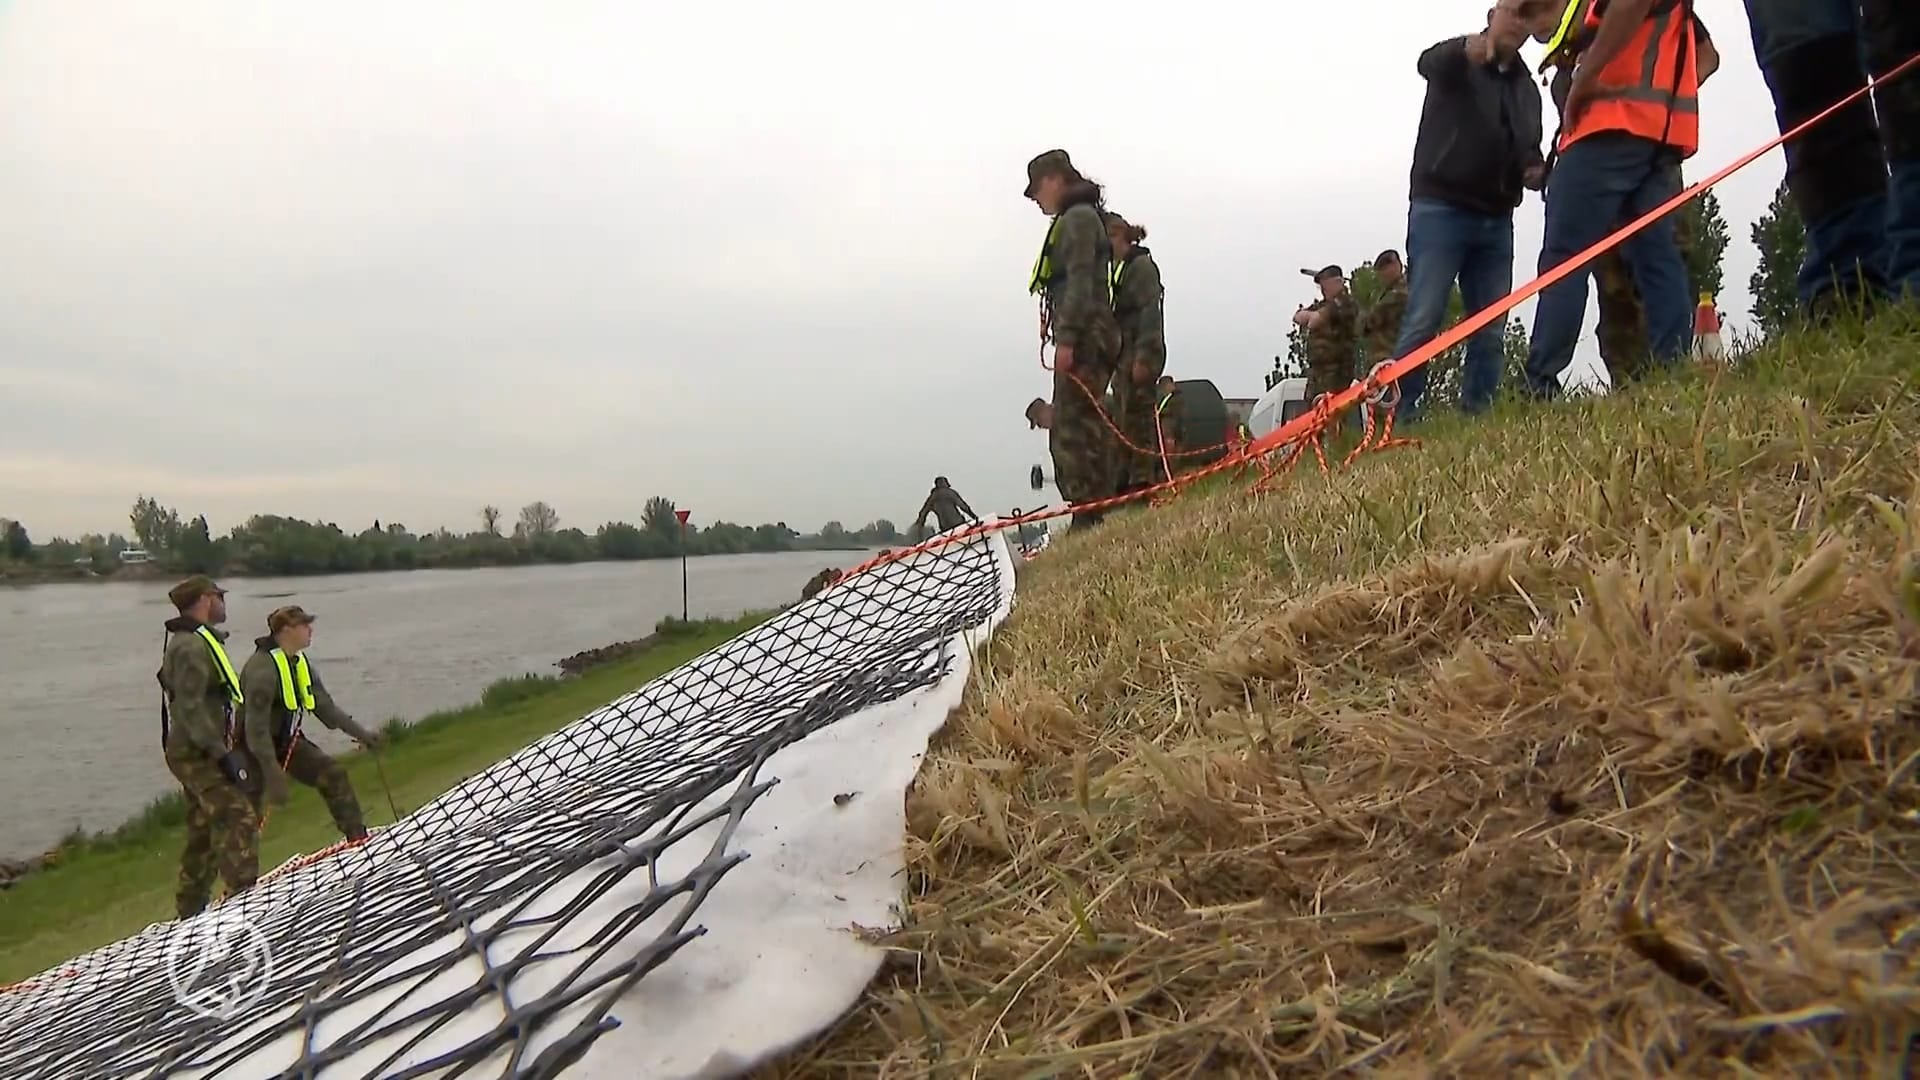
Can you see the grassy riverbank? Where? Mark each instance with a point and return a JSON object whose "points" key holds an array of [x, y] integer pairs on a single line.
{"points": [[105, 887], [34, 573], [1580, 740]]}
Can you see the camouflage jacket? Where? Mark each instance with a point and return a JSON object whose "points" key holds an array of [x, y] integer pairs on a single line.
{"points": [[1380, 324], [269, 722], [1336, 340], [198, 706], [1139, 308], [1080, 258], [947, 507]]}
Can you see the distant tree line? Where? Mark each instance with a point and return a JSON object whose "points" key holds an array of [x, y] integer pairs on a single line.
{"points": [[269, 544]]}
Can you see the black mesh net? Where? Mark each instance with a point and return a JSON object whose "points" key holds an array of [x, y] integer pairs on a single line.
{"points": [[530, 897]]}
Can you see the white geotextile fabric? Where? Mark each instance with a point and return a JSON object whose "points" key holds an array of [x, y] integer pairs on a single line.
{"points": [[779, 961]]}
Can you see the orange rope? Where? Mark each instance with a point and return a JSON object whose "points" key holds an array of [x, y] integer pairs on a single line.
{"points": [[28, 984], [1294, 436], [1308, 427], [1113, 429], [1465, 328], [1100, 410], [310, 859], [266, 811]]}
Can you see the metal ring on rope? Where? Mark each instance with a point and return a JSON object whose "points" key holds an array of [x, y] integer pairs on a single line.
{"points": [[1382, 395]]}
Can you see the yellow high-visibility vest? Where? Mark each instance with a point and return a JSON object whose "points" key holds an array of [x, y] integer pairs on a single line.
{"points": [[1567, 19], [221, 665], [1044, 270], [296, 683]]}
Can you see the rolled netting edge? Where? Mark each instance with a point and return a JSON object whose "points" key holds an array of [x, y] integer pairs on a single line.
{"points": [[557, 910]]}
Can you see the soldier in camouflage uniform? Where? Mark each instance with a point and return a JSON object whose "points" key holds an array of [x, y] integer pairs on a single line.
{"points": [[946, 506], [1138, 307], [1072, 277], [1380, 323], [196, 732], [1333, 327], [277, 703], [818, 582], [1623, 321]]}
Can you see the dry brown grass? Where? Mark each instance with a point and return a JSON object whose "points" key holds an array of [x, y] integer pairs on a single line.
{"points": [[1580, 741]]}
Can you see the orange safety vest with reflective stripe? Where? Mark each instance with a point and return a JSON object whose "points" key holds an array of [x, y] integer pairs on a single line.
{"points": [[1651, 89]]}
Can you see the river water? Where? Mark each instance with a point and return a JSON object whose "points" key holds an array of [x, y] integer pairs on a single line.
{"points": [[80, 711]]}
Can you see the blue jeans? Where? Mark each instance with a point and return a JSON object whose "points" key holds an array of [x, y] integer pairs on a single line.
{"points": [[1603, 182], [1445, 243], [1863, 226]]}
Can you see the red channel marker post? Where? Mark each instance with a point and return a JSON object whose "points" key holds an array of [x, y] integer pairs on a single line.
{"points": [[683, 515]]}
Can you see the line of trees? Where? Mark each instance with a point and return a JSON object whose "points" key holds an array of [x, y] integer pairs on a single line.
{"points": [[1782, 239], [276, 545]]}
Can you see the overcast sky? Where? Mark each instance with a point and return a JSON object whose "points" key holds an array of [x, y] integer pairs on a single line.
{"points": [[397, 260]]}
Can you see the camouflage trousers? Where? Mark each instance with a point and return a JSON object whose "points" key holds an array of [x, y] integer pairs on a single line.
{"points": [[1133, 403], [1080, 440], [222, 833], [1623, 324], [1327, 376], [1623, 320], [315, 768]]}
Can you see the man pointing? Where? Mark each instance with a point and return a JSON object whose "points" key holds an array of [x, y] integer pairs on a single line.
{"points": [[1478, 150]]}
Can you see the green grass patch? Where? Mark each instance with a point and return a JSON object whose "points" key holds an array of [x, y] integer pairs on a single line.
{"points": [[104, 887]]}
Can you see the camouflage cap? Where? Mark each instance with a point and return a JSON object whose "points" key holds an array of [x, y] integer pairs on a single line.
{"points": [[283, 617], [1047, 164], [189, 592], [1327, 271], [1386, 258]]}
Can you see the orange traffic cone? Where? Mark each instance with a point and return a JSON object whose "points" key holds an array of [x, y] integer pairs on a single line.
{"points": [[1708, 348]]}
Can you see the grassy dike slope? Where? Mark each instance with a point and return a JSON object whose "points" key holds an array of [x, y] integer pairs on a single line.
{"points": [[1387, 773], [104, 889]]}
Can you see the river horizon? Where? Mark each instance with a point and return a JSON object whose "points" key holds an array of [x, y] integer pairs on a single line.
{"points": [[80, 707], [149, 574]]}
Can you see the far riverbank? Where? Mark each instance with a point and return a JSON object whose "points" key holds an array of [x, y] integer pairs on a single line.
{"points": [[23, 575]]}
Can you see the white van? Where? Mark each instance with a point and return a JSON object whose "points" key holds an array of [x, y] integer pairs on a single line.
{"points": [[1286, 400]]}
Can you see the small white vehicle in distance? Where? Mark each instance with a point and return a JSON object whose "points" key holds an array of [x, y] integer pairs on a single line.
{"points": [[1282, 402]]}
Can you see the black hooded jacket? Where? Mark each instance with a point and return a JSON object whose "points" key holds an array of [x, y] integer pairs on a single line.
{"points": [[1480, 129]]}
